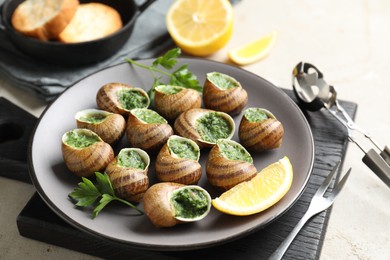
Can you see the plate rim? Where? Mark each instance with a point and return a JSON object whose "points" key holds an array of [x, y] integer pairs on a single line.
{"points": [[184, 247]]}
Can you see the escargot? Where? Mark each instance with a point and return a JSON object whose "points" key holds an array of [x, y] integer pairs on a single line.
{"points": [[167, 203], [204, 126], [224, 93], [170, 101], [128, 174], [229, 164], [147, 130], [85, 153], [259, 130], [109, 126], [120, 98], [177, 161]]}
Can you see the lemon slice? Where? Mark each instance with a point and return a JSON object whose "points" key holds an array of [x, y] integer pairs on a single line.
{"points": [[258, 194], [200, 27], [253, 51]]}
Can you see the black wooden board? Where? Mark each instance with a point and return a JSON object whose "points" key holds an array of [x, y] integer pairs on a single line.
{"points": [[37, 221]]}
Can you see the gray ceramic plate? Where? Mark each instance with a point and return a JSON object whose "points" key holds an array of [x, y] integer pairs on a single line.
{"points": [[118, 223]]}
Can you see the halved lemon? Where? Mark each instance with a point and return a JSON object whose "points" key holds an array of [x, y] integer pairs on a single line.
{"points": [[258, 194], [253, 51], [200, 27]]}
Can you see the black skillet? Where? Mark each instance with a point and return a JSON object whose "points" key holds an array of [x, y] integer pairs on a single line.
{"points": [[75, 53]]}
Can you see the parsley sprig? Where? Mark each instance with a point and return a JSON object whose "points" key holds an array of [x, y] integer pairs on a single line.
{"points": [[87, 194], [163, 66]]}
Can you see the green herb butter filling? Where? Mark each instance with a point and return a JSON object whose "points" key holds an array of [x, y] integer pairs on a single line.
{"points": [[149, 116], [213, 126], [169, 89], [81, 139], [183, 148], [256, 114], [222, 81], [93, 118], [132, 98], [131, 159], [234, 151], [189, 203]]}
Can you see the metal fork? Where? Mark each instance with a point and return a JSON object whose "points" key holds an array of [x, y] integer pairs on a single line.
{"points": [[318, 203]]}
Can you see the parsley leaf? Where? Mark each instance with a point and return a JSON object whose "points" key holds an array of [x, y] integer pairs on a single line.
{"points": [[163, 65], [87, 194]]}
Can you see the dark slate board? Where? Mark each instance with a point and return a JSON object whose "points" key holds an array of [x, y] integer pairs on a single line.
{"points": [[38, 222]]}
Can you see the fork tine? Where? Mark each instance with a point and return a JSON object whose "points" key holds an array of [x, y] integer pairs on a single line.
{"points": [[324, 186], [339, 186]]}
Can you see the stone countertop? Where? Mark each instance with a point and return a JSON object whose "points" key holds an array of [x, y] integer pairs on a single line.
{"points": [[348, 41]]}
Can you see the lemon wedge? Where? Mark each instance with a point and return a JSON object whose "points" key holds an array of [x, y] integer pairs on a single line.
{"points": [[200, 27], [253, 51], [258, 194]]}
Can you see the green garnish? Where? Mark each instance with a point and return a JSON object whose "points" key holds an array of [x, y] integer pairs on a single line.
{"points": [[93, 118], [131, 159], [87, 194], [213, 126], [222, 81], [130, 99], [234, 151], [255, 114], [169, 89], [183, 148], [178, 77], [148, 116], [80, 139]]}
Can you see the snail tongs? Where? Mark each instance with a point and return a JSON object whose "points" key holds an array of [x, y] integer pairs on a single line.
{"points": [[314, 93]]}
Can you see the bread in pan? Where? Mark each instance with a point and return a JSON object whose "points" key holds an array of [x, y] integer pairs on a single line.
{"points": [[43, 19], [91, 21]]}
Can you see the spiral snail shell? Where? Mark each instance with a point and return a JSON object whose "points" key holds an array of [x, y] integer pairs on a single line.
{"points": [[259, 130], [120, 98], [109, 126], [177, 161], [85, 153], [167, 203], [224, 93], [204, 126], [147, 130], [171, 101], [128, 174], [229, 164]]}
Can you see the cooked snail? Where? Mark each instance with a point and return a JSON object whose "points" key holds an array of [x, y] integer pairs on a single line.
{"points": [[120, 98], [229, 164], [147, 130], [224, 93], [167, 203], [171, 101], [109, 126], [85, 153], [128, 174], [177, 161], [259, 130], [204, 126]]}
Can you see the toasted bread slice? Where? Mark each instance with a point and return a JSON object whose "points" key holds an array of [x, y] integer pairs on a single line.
{"points": [[43, 19], [91, 21]]}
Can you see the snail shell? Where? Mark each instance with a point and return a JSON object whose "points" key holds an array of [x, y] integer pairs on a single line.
{"points": [[129, 182], [120, 98], [189, 125], [224, 93], [225, 169], [146, 133], [172, 167], [109, 126], [171, 101], [161, 206], [85, 160], [259, 130]]}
